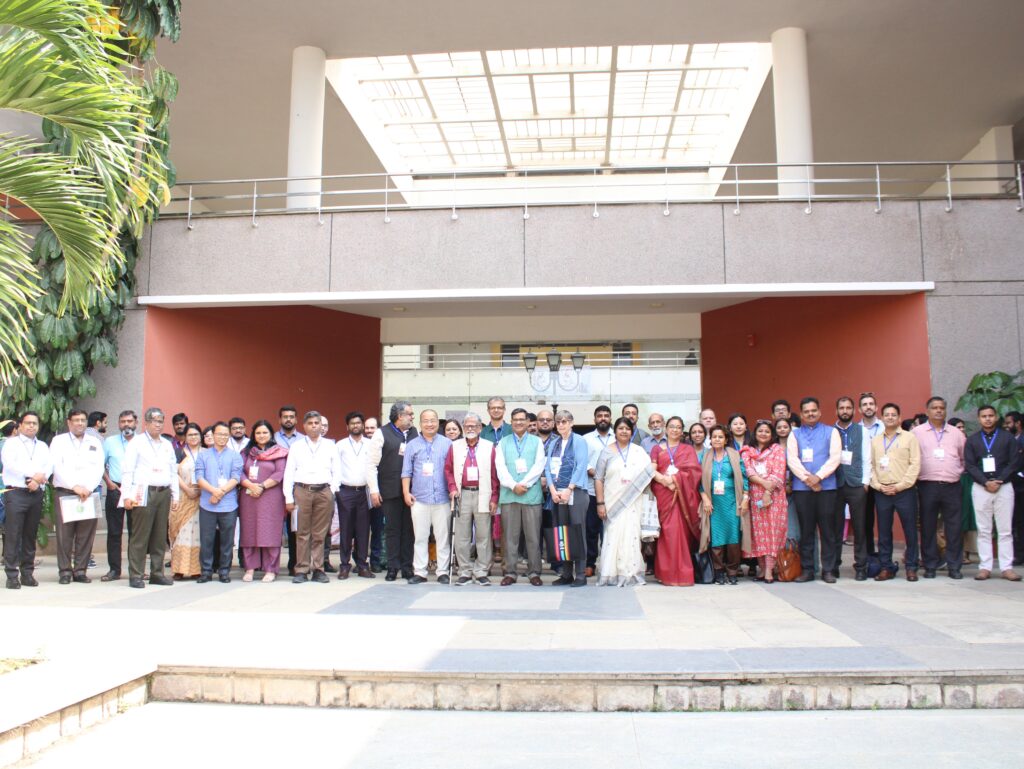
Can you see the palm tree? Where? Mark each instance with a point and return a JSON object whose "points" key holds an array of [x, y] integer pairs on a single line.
{"points": [[65, 61]]}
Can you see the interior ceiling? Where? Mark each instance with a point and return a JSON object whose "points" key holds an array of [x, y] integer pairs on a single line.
{"points": [[907, 80]]}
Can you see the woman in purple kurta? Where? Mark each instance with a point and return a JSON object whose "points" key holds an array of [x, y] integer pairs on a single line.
{"points": [[261, 503]]}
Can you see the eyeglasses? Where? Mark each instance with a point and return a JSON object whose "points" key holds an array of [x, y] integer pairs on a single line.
{"points": [[548, 419]]}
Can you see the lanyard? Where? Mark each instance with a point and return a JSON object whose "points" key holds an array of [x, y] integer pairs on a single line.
{"points": [[624, 457], [497, 432], [991, 443], [353, 443], [398, 432], [470, 456], [155, 447], [845, 434], [939, 434], [719, 463], [312, 451], [191, 455], [32, 453], [887, 444], [671, 454], [519, 445], [605, 440]]}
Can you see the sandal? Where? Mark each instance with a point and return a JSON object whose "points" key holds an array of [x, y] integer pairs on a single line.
{"points": [[247, 577], [268, 577]]}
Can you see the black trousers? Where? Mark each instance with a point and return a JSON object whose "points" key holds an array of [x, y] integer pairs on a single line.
{"points": [[573, 515], [116, 518], [291, 543], [595, 532], [376, 535], [816, 511], [1017, 527], [24, 509], [938, 498], [903, 504], [856, 497], [354, 524], [399, 535], [869, 521], [214, 551]]}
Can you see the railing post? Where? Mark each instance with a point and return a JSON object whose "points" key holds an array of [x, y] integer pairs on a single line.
{"points": [[596, 214], [254, 222], [1020, 190], [949, 190], [188, 222], [666, 212], [807, 170], [387, 186], [878, 188], [455, 216], [320, 205], [736, 176], [526, 196]]}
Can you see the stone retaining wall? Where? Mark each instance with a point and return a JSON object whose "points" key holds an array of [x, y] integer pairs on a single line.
{"points": [[586, 693]]}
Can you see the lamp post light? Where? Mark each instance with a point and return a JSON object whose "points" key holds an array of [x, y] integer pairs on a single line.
{"points": [[554, 362]]}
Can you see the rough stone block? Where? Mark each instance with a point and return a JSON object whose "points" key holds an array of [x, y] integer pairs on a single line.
{"points": [[361, 695], [925, 696], [174, 688], [42, 733], [672, 698], [547, 697], [879, 696], [92, 712], [333, 694], [289, 691], [625, 697], [247, 691], [706, 697], [71, 720], [216, 689], [404, 696], [752, 697], [958, 697], [1000, 695], [467, 696], [797, 697], [110, 704], [832, 698], [133, 694], [12, 746]]}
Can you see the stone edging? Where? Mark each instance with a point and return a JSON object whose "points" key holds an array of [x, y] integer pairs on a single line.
{"points": [[26, 740], [584, 693]]}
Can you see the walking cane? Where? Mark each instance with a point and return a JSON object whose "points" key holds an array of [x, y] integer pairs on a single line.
{"points": [[455, 507]]}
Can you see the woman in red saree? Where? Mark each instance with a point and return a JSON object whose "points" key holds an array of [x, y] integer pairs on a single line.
{"points": [[676, 479]]}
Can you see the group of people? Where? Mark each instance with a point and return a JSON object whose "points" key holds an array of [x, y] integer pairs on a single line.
{"points": [[492, 492]]}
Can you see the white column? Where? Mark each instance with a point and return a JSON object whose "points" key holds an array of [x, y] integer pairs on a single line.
{"points": [[306, 125], [793, 138]]}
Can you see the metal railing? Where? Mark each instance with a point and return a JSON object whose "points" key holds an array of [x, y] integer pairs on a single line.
{"points": [[424, 359], [593, 186]]}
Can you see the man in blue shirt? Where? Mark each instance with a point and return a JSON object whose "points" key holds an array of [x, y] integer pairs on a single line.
{"points": [[426, 493], [218, 473], [113, 450]]}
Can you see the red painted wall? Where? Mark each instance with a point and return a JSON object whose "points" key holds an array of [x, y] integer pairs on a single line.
{"points": [[820, 346], [216, 363]]}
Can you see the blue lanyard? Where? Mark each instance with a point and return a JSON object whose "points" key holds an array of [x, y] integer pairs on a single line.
{"points": [[624, 457], [991, 443], [519, 445], [845, 434], [398, 432], [671, 454], [939, 434], [886, 444]]}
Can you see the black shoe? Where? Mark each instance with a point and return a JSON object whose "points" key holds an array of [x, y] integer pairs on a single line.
{"points": [[829, 578], [408, 574], [64, 579], [111, 576], [204, 578], [328, 568], [463, 581], [320, 576], [82, 579], [298, 579], [29, 581], [377, 568], [136, 582], [483, 582], [444, 579], [225, 578], [732, 579], [579, 582], [563, 580], [835, 573], [13, 583], [807, 576], [860, 575], [160, 579], [416, 579], [343, 573], [391, 576], [929, 573], [719, 577], [955, 574]]}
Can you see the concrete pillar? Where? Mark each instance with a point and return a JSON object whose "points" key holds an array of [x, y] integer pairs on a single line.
{"points": [[306, 125], [793, 138]]}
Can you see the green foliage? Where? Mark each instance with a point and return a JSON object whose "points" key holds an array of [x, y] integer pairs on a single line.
{"points": [[1005, 392]]}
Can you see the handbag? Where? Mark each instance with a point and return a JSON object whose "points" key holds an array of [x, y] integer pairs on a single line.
{"points": [[787, 562], [703, 570], [564, 541], [650, 523]]}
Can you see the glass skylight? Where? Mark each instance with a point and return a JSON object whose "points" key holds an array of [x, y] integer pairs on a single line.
{"points": [[613, 106]]}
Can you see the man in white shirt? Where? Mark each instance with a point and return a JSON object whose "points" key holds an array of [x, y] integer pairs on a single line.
{"points": [[27, 465], [77, 471], [149, 489], [310, 482], [353, 507], [597, 441]]}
